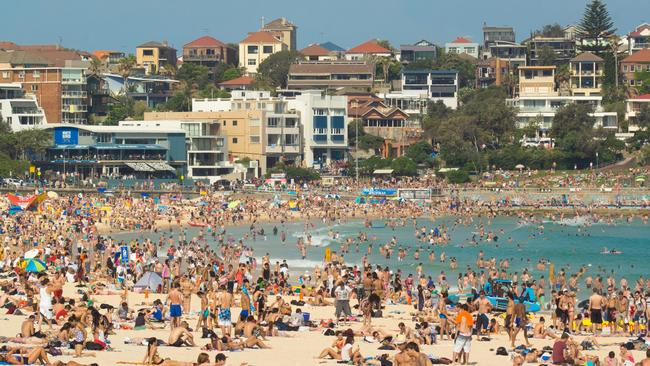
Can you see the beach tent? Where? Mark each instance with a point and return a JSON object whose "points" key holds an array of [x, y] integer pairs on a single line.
{"points": [[150, 280], [34, 265]]}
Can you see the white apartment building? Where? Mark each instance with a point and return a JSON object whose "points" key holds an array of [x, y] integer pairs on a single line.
{"points": [[324, 125], [207, 153], [20, 111]]}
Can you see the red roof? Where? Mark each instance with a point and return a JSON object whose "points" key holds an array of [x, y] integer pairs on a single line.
{"points": [[639, 56], [639, 29], [242, 80], [642, 96], [315, 50], [205, 41], [370, 47], [260, 37], [461, 40]]}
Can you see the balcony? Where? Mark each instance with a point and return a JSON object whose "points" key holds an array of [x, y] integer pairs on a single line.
{"points": [[74, 94], [75, 121], [198, 58], [280, 149], [74, 108], [73, 81], [587, 73]]}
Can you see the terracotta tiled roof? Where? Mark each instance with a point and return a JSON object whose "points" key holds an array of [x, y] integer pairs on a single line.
{"points": [[461, 40], [642, 96], [242, 80], [261, 37], [587, 57], [315, 50], [370, 47], [639, 56], [205, 41], [639, 29]]}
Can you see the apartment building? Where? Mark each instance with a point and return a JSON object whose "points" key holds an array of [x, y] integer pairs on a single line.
{"points": [[207, 149], [286, 31], [639, 38], [563, 48], [367, 50], [633, 106], [209, 52], [110, 57], [316, 52], [422, 50], [18, 110], [632, 66], [493, 35], [536, 80], [154, 55], [587, 71], [60, 91], [257, 47], [432, 84], [270, 133], [331, 75], [462, 45]]}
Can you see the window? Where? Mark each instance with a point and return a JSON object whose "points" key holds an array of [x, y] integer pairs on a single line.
{"points": [[625, 68], [21, 74], [252, 62], [320, 112], [268, 49], [34, 87], [647, 67], [234, 140], [36, 74], [147, 52], [638, 67], [632, 82], [252, 50], [5, 74], [225, 123], [255, 139], [234, 123], [104, 137]]}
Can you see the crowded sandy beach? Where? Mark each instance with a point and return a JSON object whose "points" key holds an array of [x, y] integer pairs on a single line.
{"points": [[138, 279]]}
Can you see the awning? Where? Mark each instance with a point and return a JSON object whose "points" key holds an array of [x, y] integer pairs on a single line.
{"points": [[69, 147], [383, 171], [140, 167], [128, 147], [161, 166]]}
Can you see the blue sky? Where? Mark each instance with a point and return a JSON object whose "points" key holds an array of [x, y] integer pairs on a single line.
{"points": [[123, 24]]}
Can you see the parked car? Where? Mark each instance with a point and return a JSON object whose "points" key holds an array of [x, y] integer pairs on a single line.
{"points": [[13, 182]]}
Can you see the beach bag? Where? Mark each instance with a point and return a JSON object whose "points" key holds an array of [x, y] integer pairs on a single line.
{"points": [[442, 361], [501, 351]]}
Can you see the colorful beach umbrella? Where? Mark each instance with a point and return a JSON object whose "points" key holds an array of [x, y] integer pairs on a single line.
{"points": [[233, 204], [35, 265]]}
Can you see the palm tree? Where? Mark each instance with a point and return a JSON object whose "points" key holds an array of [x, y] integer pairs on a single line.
{"points": [[96, 67], [125, 68], [169, 70]]}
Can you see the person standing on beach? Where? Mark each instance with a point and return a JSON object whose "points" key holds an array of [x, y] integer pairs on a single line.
{"points": [[596, 311], [224, 317], [342, 293], [175, 298], [482, 321]]}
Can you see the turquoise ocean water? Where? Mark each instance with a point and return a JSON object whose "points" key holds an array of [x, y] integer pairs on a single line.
{"points": [[568, 245]]}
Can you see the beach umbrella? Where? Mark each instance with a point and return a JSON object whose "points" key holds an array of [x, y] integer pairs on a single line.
{"points": [[52, 194], [519, 166], [150, 280], [640, 178], [233, 204], [35, 265]]}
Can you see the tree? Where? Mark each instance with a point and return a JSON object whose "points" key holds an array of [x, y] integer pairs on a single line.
{"points": [[404, 166], [231, 73], [371, 142], [643, 117], [274, 70], [125, 68], [546, 56], [385, 43], [573, 130], [596, 24], [420, 153], [453, 61], [193, 75], [96, 67], [354, 127], [551, 30]]}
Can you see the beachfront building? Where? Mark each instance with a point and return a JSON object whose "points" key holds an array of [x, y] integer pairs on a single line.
{"points": [[633, 106], [153, 56], [422, 50], [110, 57], [316, 52], [209, 52], [59, 90], [207, 152], [151, 89], [634, 67], [331, 75], [462, 45], [286, 31], [539, 100], [114, 151], [18, 110], [563, 48], [257, 47], [639, 38], [587, 71], [387, 122], [493, 35], [432, 84], [270, 133], [368, 51], [494, 71], [324, 127]]}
